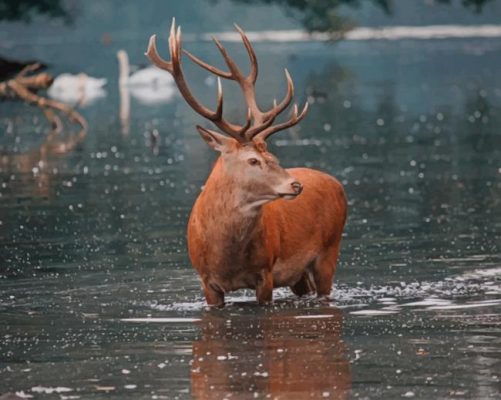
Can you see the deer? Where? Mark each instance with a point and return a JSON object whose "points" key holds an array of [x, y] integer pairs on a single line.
{"points": [[256, 225]]}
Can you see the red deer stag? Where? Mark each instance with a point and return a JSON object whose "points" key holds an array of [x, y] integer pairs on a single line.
{"points": [[256, 225]]}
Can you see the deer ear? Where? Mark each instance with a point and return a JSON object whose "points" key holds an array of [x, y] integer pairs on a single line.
{"points": [[218, 142]]}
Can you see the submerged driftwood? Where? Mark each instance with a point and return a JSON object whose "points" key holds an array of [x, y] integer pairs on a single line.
{"points": [[24, 86]]}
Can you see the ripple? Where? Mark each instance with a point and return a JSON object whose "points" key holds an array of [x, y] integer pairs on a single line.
{"points": [[451, 293]]}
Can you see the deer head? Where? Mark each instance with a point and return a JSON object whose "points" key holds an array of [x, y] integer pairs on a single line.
{"points": [[243, 149]]}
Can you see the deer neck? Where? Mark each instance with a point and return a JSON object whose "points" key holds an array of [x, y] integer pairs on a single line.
{"points": [[231, 219]]}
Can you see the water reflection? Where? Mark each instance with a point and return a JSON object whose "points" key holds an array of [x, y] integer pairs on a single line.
{"points": [[282, 355], [417, 144], [33, 168], [150, 86]]}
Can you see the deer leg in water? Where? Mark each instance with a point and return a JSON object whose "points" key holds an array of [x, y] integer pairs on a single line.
{"points": [[213, 295], [324, 269], [264, 288]]}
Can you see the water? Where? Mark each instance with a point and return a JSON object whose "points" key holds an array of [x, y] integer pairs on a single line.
{"points": [[97, 296]]}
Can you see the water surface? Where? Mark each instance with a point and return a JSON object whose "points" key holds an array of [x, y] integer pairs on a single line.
{"points": [[97, 296]]}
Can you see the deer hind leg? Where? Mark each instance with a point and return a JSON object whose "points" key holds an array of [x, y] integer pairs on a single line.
{"points": [[264, 288], [213, 294], [325, 268]]}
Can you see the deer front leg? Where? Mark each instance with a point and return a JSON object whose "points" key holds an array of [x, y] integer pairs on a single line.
{"points": [[264, 288], [213, 294]]}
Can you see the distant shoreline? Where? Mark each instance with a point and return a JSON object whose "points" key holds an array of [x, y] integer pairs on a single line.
{"points": [[428, 32]]}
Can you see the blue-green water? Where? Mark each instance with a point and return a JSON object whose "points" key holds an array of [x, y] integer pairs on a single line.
{"points": [[97, 296]]}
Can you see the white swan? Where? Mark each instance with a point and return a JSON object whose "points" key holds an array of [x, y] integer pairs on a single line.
{"points": [[79, 88], [148, 86], [149, 76]]}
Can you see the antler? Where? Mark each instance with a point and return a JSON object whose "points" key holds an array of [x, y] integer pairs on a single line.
{"points": [[259, 123]]}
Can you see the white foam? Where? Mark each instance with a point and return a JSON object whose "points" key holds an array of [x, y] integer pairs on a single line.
{"points": [[181, 306], [487, 303], [481, 273], [364, 33], [428, 302], [50, 390], [23, 395], [313, 316], [474, 257], [373, 312], [160, 320]]}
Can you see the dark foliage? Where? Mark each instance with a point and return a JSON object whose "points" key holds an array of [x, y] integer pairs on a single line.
{"points": [[9, 68], [476, 5], [323, 16], [25, 10]]}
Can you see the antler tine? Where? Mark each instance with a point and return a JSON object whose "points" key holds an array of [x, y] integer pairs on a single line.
{"points": [[210, 68], [172, 39], [179, 43], [247, 125], [293, 120], [219, 109], [259, 128], [285, 102], [175, 46], [269, 116], [152, 54], [252, 55], [235, 71], [247, 83]]}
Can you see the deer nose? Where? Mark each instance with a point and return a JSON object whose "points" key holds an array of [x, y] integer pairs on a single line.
{"points": [[297, 187]]}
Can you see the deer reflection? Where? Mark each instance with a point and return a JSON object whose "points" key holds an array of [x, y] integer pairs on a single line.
{"points": [[286, 355]]}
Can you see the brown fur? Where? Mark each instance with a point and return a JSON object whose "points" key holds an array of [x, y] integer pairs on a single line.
{"points": [[281, 243]]}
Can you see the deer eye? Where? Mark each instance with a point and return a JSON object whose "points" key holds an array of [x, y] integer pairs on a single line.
{"points": [[253, 161]]}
